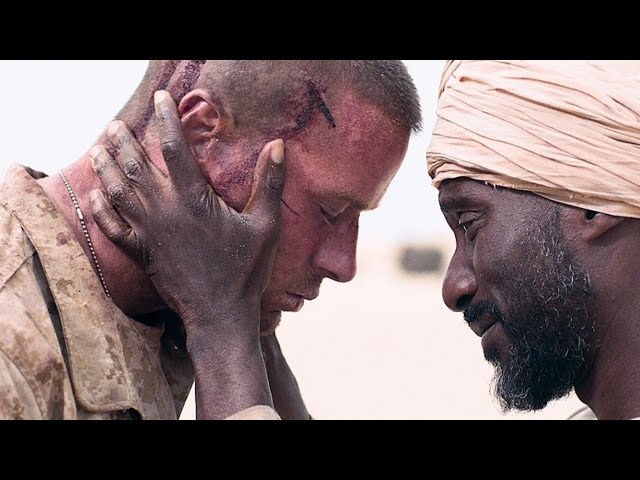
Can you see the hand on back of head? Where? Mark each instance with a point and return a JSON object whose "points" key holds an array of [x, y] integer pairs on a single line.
{"points": [[191, 244]]}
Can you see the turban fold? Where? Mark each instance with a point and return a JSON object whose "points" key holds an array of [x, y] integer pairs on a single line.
{"points": [[566, 130]]}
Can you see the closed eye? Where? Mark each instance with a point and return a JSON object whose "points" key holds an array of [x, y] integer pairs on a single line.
{"points": [[468, 222], [329, 217]]}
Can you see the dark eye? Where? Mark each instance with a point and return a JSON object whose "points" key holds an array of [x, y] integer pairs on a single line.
{"points": [[468, 222]]}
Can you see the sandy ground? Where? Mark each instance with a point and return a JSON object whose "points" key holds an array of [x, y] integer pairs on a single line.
{"points": [[386, 347]]}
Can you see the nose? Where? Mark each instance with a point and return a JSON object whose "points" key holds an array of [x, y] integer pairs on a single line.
{"points": [[459, 285], [336, 258]]}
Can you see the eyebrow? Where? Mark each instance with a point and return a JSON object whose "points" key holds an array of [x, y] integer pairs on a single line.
{"points": [[451, 204]]}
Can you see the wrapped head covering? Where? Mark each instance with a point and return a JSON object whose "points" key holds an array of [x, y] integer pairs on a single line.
{"points": [[566, 130]]}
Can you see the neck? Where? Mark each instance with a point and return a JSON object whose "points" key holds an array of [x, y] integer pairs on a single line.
{"points": [[129, 286], [611, 387]]}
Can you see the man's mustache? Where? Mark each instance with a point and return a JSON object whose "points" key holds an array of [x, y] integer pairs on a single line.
{"points": [[480, 309]]}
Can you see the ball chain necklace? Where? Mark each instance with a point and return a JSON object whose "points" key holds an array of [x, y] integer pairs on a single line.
{"points": [[85, 230]]}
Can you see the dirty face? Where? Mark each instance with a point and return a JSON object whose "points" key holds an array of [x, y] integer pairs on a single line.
{"points": [[521, 287], [338, 165], [333, 175]]}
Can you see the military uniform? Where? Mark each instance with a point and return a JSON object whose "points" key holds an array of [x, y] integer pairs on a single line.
{"points": [[66, 350]]}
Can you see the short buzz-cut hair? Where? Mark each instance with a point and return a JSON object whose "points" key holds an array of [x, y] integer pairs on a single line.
{"points": [[279, 96]]}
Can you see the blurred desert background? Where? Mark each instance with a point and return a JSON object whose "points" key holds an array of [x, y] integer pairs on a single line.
{"points": [[386, 347], [381, 347]]}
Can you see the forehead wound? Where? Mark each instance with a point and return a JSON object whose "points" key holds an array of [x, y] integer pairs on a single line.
{"points": [[315, 103], [301, 105]]}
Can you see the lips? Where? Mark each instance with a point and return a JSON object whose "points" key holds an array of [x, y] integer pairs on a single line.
{"points": [[295, 301], [482, 315], [292, 302], [482, 323], [307, 294]]}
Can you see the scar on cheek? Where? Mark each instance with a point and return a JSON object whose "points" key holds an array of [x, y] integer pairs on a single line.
{"points": [[291, 209]]}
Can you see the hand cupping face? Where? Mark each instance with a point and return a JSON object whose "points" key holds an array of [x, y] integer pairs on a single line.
{"points": [[198, 252]]}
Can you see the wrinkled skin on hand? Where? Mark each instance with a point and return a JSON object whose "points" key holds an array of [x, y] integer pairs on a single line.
{"points": [[209, 263], [191, 244]]}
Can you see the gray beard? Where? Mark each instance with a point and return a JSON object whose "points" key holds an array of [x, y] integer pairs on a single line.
{"points": [[549, 323]]}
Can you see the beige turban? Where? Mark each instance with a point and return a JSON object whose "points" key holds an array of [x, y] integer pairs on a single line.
{"points": [[566, 130]]}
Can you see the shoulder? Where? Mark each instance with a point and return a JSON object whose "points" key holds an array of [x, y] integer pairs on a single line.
{"points": [[33, 376]]}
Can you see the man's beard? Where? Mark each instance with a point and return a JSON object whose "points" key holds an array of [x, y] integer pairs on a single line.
{"points": [[549, 322]]}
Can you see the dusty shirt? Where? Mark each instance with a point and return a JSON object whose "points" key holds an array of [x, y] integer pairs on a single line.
{"points": [[51, 299]]}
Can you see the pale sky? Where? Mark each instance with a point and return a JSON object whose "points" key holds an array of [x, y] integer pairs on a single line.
{"points": [[54, 110]]}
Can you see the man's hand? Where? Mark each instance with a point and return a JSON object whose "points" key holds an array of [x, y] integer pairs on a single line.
{"points": [[191, 244], [208, 262]]}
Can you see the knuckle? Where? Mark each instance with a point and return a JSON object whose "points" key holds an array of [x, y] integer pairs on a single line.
{"points": [[132, 169], [101, 218], [171, 147], [118, 236], [113, 232], [198, 202], [163, 115], [275, 184], [117, 193]]}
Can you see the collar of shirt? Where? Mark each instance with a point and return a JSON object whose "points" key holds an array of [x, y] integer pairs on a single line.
{"points": [[96, 331]]}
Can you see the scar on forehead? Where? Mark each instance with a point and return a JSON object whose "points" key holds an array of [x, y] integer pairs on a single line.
{"points": [[316, 102]]}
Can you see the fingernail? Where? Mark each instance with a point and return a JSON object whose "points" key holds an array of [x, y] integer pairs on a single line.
{"points": [[95, 196], [94, 153], [277, 152], [113, 128], [160, 96]]}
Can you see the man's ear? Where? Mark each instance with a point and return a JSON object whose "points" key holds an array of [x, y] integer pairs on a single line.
{"points": [[203, 118], [594, 225]]}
